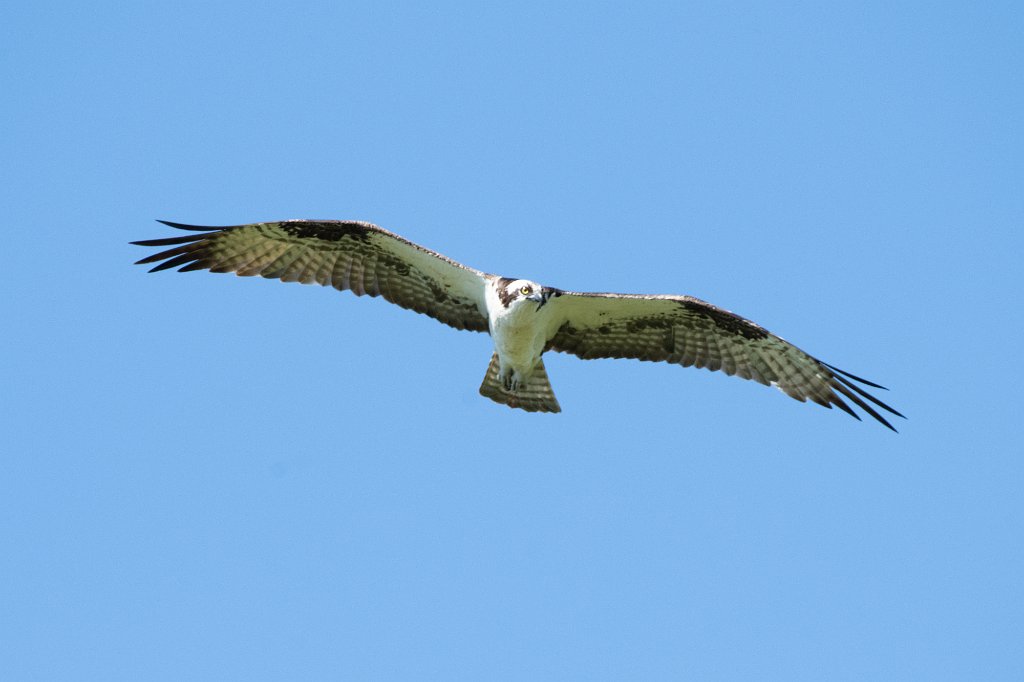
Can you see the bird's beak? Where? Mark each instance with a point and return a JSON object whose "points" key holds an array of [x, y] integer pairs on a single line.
{"points": [[540, 297]]}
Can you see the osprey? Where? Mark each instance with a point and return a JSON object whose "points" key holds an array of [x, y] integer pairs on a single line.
{"points": [[525, 318]]}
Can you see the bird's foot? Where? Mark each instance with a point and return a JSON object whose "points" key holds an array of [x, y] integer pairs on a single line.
{"points": [[511, 381]]}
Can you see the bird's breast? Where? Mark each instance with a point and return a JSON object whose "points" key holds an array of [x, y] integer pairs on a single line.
{"points": [[518, 335]]}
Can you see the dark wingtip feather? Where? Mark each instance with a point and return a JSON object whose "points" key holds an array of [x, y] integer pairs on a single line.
{"points": [[863, 405], [183, 259], [169, 253], [194, 228], [838, 402], [168, 241], [185, 248], [888, 425], [842, 382], [867, 395], [854, 377]]}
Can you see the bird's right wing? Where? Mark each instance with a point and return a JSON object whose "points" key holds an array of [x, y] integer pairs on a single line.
{"points": [[360, 257]]}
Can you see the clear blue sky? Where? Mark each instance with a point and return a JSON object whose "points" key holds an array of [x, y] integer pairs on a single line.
{"points": [[208, 477]]}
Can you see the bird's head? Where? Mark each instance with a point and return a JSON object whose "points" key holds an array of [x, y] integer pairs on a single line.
{"points": [[517, 292]]}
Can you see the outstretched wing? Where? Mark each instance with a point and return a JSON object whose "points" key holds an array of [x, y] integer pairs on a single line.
{"points": [[688, 331], [360, 257]]}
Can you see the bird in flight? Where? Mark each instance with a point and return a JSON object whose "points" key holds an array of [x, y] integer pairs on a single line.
{"points": [[524, 318]]}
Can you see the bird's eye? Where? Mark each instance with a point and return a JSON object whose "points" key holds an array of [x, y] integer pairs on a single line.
{"points": [[524, 291]]}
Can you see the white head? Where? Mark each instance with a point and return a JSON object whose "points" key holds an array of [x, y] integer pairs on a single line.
{"points": [[516, 292]]}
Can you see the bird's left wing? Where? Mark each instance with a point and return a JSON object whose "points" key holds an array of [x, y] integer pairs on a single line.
{"points": [[360, 257], [687, 331]]}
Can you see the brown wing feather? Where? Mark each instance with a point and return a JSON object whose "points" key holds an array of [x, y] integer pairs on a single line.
{"points": [[360, 257], [690, 332]]}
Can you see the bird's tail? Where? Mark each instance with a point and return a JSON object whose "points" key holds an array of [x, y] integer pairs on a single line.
{"points": [[536, 396]]}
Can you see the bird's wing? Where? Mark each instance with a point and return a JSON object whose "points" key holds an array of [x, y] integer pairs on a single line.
{"points": [[360, 257], [688, 331]]}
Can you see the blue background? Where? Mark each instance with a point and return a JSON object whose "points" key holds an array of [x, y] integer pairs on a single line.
{"points": [[206, 477]]}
